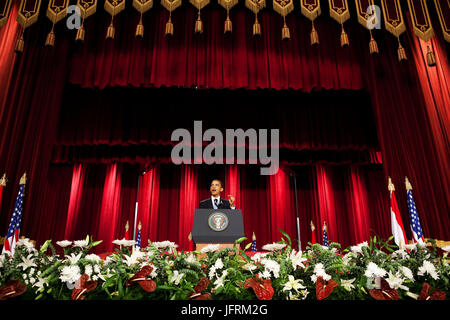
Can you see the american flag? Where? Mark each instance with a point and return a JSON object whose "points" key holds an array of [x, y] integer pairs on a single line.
{"points": [[325, 237], [254, 245], [14, 226], [414, 219], [138, 239]]}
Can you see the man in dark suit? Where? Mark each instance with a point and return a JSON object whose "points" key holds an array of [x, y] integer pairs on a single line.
{"points": [[215, 202]]}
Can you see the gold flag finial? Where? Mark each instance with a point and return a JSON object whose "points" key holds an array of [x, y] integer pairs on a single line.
{"points": [[390, 185], [3, 180], [127, 226], [312, 226], [190, 236], [253, 236], [408, 184], [139, 226], [23, 180], [324, 226]]}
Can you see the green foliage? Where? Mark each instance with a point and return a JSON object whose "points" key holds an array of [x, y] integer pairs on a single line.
{"points": [[176, 273]]}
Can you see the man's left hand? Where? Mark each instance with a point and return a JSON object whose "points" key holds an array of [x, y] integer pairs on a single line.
{"points": [[231, 200]]}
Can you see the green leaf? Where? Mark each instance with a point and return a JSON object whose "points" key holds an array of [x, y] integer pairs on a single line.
{"points": [[45, 246], [247, 246], [96, 243], [240, 240], [287, 236]]}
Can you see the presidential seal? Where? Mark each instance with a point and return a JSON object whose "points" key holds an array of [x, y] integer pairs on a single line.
{"points": [[218, 221]]}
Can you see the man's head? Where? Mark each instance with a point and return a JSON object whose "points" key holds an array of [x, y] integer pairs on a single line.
{"points": [[216, 187]]}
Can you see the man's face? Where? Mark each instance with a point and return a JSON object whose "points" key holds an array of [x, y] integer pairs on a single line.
{"points": [[216, 188]]}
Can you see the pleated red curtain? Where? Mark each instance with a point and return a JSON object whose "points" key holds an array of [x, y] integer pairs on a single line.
{"points": [[148, 204]]}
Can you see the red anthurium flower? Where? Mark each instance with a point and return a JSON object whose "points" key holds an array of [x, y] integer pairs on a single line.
{"points": [[12, 289], [324, 290], [201, 286], [141, 278], [262, 288], [83, 286], [436, 295], [385, 293]]}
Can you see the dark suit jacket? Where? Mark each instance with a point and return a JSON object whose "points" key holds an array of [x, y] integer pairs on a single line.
{"points": [[208, 204]]}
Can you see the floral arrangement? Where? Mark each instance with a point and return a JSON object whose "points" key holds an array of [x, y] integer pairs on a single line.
{"points": [[376, 270]]}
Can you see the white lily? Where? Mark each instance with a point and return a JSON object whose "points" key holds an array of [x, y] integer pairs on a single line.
{"points": [[176, 277], [293, 283], [73, 259], [297, 259], [27, 262], [348, 284], [134, 258]]}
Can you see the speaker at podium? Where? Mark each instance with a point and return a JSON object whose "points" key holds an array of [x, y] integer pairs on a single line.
{"points": [[217, 226]]}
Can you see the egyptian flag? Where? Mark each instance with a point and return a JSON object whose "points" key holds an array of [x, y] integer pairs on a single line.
{"points": [[398, 231], [313, 233]]}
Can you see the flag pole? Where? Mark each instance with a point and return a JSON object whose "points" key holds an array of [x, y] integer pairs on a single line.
{"points": [[296, 212], [136, 206]]}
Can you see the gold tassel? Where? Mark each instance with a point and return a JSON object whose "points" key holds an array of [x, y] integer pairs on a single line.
{"points": [[314, 36], [256, 27], [285, 33], [344, 38], [80, 34], [169, 26], [19, 44], [50, 41], [373, 46], [198, 24], [140, 29], [111, 31], [401, 52], [431, 59], [228, 24]]}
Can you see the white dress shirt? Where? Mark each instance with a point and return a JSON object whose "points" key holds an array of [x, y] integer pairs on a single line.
{"points": [[218, 201]]}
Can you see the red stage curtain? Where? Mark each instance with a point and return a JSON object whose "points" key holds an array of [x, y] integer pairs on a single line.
{"points": [[188, 203], [8, 36], [76, 192], [359, 217], [213, 60], [29, 117], [282, 206], [148, 204], [110, 207]]}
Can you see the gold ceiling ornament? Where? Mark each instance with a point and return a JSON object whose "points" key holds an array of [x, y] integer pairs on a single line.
{"points": [[256, 6], [142, 6], [340, 12], [443, 12], [284, 7], [367, 20], [199, 4], [228, 4], [87, 8], [5, 9], [311, 10], [394, 23], [422, 26], [27, 15], [170, 5], [56, 11], [113, 7]]}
